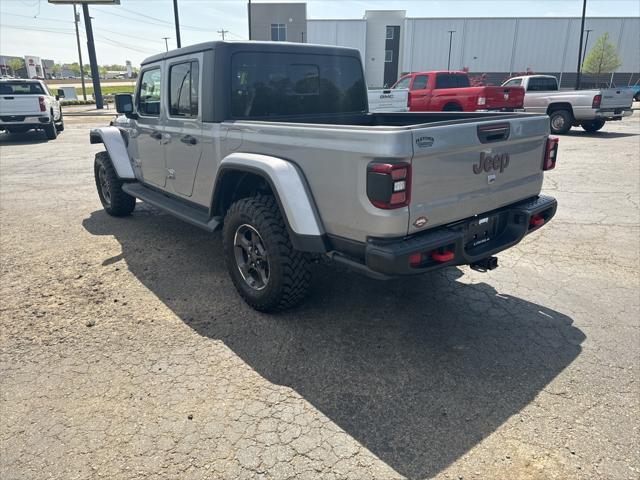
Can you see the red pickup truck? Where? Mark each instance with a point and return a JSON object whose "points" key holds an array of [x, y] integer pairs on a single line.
{"points": [[452, 92]]}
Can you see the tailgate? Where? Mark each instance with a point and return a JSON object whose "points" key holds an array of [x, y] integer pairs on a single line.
{"points": [[616, 98], [504, 97], [19, 105], [388, 100], [449, 178]]}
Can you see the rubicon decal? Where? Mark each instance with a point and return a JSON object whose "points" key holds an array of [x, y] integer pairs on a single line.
{"points": [[498, 163]]}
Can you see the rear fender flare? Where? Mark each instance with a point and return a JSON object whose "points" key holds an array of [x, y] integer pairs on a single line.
{"points": [[114, 143], [291, 191]]}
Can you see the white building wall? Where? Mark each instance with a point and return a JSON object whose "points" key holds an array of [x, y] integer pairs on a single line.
{"points": [[498, 44], [427, 44], [345, 33], [487, 44]]}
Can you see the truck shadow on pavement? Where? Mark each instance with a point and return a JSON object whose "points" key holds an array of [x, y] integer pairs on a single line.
{"points": [[603, 135], [416, 370], [31, 137]]}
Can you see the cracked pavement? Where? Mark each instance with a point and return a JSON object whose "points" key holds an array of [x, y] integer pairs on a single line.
{"points": [[125, 352]]}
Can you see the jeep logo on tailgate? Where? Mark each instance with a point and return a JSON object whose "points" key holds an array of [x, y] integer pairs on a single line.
{"points": [[498, 162]]}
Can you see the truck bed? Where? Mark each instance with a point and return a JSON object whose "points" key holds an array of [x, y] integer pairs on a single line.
{"points": [[442, 147], [394, 119]]}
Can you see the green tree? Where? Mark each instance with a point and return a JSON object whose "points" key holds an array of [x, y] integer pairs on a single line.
{"points": [[15, 64], [74, 67], [603, 57], [56, 69]]}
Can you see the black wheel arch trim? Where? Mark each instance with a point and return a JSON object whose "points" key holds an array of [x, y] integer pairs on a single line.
{"points": [[302, 242]]}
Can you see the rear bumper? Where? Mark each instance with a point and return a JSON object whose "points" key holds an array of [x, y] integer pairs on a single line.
{"points": [[390, 258], [617, 114], [29, 121]]}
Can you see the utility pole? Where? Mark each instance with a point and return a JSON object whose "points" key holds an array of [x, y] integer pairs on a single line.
{"points": [[177, 20], [166, 44], [302, 35], [451, 32], [222, 32], [91, 47], [586, 42], [579, 70], [76, 19], [249, 16]]}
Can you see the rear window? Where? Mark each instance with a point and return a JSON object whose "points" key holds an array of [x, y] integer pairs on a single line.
{"points": [[448, 80], [21, 88], [274, 84], [542, 84]]}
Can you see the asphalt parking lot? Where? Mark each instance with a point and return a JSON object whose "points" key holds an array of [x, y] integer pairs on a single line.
{"points": [[126, 353]]}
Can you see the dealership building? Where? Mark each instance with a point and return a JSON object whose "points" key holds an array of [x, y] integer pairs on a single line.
{"points": [[392, 44]]}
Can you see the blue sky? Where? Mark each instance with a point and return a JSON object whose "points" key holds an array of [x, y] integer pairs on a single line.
{"points": [[135, 29]]}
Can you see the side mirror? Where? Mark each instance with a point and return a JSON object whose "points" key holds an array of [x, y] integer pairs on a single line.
{"points": [[60, 94], [124, 104]]}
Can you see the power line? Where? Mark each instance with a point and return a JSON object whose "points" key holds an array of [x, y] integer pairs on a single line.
{"points": [[222, 32]]}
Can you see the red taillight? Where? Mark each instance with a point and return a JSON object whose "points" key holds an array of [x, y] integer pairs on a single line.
{"points": [[550, 154], [597, 100], [389, 184], [43, 107], [415, 259], [536, 221]]}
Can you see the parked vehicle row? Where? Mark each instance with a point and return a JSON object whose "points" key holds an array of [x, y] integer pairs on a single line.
{"points": [[27, 105], [287, 160], [452, 91], [589, 109]]}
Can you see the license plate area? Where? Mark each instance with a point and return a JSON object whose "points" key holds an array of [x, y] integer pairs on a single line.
{"points": [[482, 230]]}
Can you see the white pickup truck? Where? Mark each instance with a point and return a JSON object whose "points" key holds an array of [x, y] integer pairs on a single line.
{"points": [[388, 100], [27, 105], [589, 109]]}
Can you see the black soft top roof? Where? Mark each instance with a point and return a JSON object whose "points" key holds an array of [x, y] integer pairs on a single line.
{"points": [[231, 47]]}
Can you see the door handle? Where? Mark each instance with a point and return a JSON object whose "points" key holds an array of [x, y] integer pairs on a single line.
{"points": [[156, 135], [189, 140]]}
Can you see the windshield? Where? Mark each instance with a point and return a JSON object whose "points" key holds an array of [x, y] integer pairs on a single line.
{"points": [[21, 88], [279, 84]]}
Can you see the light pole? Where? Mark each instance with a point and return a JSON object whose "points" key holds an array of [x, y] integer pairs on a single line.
{"points": [[249, 18], [91, 46], [586, 42], [76, 19], [579, 69], [166, 44], [177, 20], [451, 32]]}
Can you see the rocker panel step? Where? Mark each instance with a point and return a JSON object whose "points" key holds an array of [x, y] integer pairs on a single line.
{"points": [[182, 210]]}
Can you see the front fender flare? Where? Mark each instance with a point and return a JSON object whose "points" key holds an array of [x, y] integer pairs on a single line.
{"points": [[114, 143], [292, 193]]}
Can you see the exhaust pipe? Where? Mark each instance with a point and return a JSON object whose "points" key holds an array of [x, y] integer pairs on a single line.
{"points": [[485, 264]]}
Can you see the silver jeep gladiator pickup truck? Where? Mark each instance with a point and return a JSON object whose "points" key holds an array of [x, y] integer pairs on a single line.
{"points": [[273, 143]]}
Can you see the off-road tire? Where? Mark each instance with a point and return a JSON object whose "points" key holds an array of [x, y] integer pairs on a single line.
{"points": [[60, 124], [592, 125], [562, 119], [289, 273], [118, 203], [51, 131]]}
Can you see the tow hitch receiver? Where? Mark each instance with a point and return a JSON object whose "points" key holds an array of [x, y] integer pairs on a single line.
{"points": [[485, 264]]}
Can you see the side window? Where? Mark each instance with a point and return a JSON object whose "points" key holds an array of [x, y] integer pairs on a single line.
{"points": [[445, 80], [463, 81], [420, 83], [149, 93], [403, 83], [541, 84], [514, 83], [184, 89]]}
